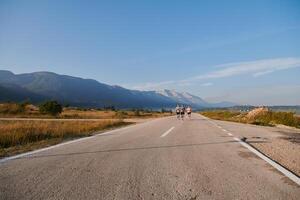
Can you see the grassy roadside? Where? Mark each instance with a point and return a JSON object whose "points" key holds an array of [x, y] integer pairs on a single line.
{"points": [[265, 118], [17, 110], [21, 136], [108, 114]]}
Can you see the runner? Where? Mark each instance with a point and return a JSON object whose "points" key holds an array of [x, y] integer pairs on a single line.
{"points": [[177, 110], [189, 111], [182, 111]]}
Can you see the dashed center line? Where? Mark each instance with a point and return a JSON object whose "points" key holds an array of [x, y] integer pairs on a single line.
{"points": [[167, 132], [220, 127]]}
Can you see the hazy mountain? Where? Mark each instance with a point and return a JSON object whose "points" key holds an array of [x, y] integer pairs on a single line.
{"points": [[183, 98], [223, 104], [189, 99], [40, 86]]}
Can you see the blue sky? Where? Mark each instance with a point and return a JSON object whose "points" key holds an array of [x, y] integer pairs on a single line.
{"points": [[242, 51]]}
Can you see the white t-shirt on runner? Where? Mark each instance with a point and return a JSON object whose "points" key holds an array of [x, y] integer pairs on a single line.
{"points": [[188, 110]]}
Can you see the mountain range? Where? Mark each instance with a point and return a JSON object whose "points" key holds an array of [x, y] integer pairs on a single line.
{"points": [[189, 99], [40, 86]]}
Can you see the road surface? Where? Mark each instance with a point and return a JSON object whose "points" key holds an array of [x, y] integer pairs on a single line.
{"points": [[161, 159]]}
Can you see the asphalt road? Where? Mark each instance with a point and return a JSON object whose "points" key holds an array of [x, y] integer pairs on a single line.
{"points": [[160, 159]]}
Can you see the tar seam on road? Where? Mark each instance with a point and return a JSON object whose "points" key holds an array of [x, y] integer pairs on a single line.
{"points": [[286, 172], [167, 132]]}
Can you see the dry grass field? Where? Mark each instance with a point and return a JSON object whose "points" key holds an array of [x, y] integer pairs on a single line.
{"points": [[24, 128], [21, 136], [14, 110], [103, 114], [87, 114]]}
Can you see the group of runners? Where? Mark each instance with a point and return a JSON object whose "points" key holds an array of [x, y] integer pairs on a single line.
{"points": [[182, 111]]}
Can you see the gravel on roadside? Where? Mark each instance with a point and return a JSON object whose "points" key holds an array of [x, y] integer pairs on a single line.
{"points": [[285, 150]]}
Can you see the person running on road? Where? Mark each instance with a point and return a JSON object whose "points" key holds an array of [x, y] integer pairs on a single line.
{"points": [[182, 112], [177, 110], [189, 111]]}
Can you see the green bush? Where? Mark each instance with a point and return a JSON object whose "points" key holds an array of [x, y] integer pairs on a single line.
{"points": [[50, 107]]}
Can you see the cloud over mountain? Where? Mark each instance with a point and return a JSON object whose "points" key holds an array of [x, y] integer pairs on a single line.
{"points": [[255, 68]]}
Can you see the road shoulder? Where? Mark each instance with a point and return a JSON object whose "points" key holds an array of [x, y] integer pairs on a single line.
{"points": [[280, 144]]}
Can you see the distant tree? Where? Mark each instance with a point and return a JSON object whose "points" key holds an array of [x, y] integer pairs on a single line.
{"points": [[50, 107], [22, 106]]}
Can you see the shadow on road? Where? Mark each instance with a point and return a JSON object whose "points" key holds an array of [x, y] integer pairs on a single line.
{"points": [[125, 149]]}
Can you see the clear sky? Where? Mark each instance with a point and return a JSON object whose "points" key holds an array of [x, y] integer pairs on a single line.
{"points": [[242, 51]]}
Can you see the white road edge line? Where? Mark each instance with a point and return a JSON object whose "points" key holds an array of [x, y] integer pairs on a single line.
{"points": [[287, 173], [224, 130], [167, 132], [229, 134]]}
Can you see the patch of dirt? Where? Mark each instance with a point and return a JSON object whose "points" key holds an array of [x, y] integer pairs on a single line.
{"points": [[291, 135], [256, 112], [247, 155], [293, 139]]}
